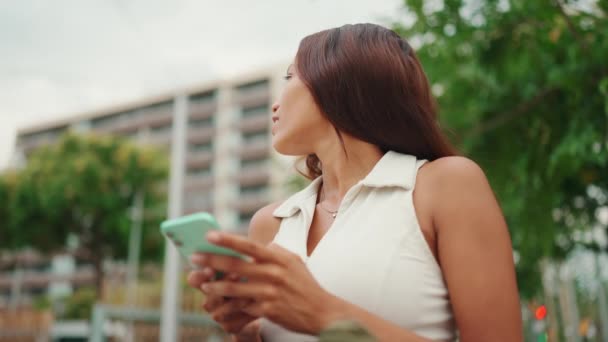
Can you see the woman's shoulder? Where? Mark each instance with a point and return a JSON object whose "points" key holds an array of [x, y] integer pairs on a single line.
{"points": [[448, 180], [454, 182], [451, 170], [263, 225]]}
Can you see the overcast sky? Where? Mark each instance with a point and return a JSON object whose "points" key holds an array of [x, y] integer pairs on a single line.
{"points": [[62, 57]]}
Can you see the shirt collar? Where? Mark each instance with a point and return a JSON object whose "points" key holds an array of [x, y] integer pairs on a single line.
{"points": [[295, 203], [392, 170]]}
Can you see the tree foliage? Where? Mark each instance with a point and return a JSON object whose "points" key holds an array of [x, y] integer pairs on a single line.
{"points": [[523, 86], [84, 186]]}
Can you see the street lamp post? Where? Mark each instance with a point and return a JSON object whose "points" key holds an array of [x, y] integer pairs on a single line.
{"points": [[169, 329]]}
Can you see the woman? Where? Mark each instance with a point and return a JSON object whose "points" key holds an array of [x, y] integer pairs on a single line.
{"points": [[395, 232]]}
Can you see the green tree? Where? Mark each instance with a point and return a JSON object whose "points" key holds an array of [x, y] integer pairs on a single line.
{"points": [[79, 305], [7, 189], [84, 186], [523, 85]]}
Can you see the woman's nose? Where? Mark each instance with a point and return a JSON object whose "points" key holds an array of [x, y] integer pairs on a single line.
{"points": [[275, 107]]}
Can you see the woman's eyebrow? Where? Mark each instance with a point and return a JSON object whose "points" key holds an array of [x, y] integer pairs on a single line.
{"points": [[289, 68]]}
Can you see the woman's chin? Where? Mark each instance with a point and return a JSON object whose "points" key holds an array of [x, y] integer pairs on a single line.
{"points": [[283, 148]]}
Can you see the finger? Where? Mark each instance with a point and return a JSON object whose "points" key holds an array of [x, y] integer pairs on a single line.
{"points": [[212, 302], [240, 269], [253, 290], [229, 309], [276, 248], [198, 259], [285, 255], [252, 327], [233, 277], [254, 308], [242, 245], [196, 278], [236, 326]]}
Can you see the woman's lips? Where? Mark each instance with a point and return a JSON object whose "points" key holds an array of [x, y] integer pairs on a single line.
{"points": [[275, 119]]}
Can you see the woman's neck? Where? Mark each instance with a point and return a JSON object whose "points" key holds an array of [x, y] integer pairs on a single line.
{"points": [[341, 173]]}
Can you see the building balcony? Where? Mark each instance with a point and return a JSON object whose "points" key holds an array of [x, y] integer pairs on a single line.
{"points": [[29, 141], [250, 202], [257, 149], [199, 159], [29, 145], [156, 119], [126, 124], [158, 110], [202, 110], [159, 139], [198, 183], [253, 175], [26, 259], [253, 97], [192, 209], [254, 123], [198, 194], [37, 280], [198, 135]]}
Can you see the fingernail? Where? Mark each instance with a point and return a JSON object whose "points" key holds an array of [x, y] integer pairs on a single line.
{"points": [[213, 237], [207, 271], [198, 258], [205, 287]]}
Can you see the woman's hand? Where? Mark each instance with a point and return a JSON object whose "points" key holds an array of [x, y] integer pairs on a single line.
{"points": [[227, 312], [278, 284]]}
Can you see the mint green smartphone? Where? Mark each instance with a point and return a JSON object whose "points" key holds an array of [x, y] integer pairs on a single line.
{"points": [[188, 233]]}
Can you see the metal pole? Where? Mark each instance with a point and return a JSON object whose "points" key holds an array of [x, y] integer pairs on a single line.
{"points": [[97, 323], [171, 289], [568, 303], [16, 284], [548, 274], [601, 298], [134, 252]]}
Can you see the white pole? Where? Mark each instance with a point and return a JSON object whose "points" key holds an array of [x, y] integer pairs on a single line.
{"points": [[16, 284], [169, 331], [134, 252], [601, 298]]}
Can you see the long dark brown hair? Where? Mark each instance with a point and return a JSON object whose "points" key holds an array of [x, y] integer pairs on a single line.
{"points": [[368, 83]]}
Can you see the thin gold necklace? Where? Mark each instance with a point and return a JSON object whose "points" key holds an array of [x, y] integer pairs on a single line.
{"points": [[333, 213]]}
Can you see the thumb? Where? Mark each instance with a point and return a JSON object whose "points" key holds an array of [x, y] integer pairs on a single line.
{"points": [[254, 309]]}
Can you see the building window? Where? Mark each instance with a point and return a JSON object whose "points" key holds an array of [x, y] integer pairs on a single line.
{"points": [[245, 218], [254, 163], [41, 267], [55, 132], [253, 86], [256, 189], [36, 291], [200, 200], [160, 129], [255, 111], [255, 136], [199, 171], [164, 106], [198, 123], [109, 120], [43, 136], [204, 96], [201, 147]]}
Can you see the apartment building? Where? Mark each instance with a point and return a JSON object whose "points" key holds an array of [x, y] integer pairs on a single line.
{"points": [[231, 169]]}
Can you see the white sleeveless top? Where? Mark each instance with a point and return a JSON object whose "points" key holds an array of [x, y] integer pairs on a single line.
{"points": [[374, 255]]}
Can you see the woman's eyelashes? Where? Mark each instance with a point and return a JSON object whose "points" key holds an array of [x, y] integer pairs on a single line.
{"points": [[287, 77]]}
